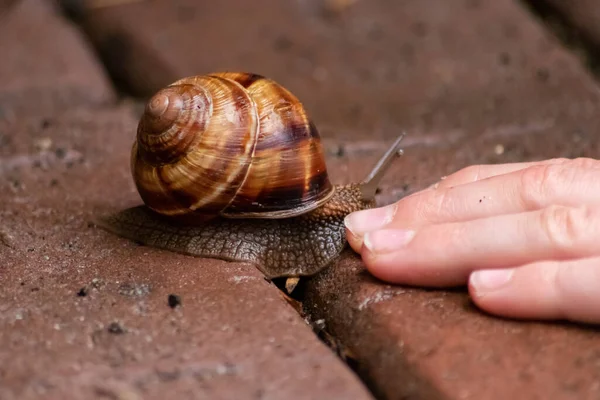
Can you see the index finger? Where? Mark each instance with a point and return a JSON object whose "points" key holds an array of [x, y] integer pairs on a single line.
{"points": [[479, 172]]}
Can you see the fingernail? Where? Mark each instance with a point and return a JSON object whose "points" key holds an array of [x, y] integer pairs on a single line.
{"points": [[360, 222], [387, 240], [487, 280]]}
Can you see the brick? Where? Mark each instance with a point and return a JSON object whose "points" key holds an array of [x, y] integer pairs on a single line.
{"points": [[440, 345], [435, 344], [47, 63], [472, 82], [85, 314], [368, 69]]}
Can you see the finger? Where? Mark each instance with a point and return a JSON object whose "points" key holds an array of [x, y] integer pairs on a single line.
{"points": [[542, 290], [445, 254], [476, 173], [570, 184], [353, 240]]}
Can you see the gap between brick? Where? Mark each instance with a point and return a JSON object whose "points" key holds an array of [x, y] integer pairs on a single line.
{"points": [[574, 39]]}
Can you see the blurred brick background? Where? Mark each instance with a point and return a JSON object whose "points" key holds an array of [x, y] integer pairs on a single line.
{"points": [[84, 314]]}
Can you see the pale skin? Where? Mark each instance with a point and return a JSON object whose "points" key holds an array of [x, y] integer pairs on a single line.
{"points": [[524, 238]]}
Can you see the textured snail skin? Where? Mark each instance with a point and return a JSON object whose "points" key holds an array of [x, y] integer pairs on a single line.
{"points": [[232, 144], [229, 166], [296, 246]]}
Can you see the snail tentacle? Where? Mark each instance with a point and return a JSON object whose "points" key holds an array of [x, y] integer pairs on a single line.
{"points": [[230, 166]]}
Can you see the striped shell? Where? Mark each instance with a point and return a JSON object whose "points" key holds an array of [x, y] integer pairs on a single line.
{"points": [[231, 144]]}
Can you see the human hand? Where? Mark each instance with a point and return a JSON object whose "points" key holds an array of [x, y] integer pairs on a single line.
{"points": [[524, 237]]}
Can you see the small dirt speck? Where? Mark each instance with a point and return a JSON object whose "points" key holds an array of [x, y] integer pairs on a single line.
{"points": [[115, 328], [168, 375], [542, 74], [134, 289], [338, 151], [82, 292], [15, 184], [7, 239], [174, 300], [42, 144], [46, 123], [282, 43], [97, 283], [60, 153], [504, 58]]}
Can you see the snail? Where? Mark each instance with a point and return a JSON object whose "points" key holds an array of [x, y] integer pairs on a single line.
{"points": [[229, 166]]}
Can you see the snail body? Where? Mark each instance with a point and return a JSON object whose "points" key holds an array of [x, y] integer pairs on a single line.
{"points": [[230, 166]]}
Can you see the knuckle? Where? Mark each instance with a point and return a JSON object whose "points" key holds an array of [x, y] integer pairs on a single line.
{"points": [[470, 173], [559, 160], [540, 183], [466, 174], [431, 208], [584, 163], [440, 203], [534, 180], [566, 227]]}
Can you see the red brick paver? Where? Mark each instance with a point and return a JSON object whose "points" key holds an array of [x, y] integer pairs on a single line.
{"points": [[471, 81], [367, 70], [47, 64], [84, 314], [434, 344]]}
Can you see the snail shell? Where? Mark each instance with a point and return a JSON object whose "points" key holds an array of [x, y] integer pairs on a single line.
{"points": [[236, 159], [237, 145]]}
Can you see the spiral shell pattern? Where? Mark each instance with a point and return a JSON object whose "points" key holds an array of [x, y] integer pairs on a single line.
{"points": [[232, 144]]}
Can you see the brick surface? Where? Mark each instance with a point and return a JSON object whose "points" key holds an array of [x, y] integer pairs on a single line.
{"points": [[84, 314], [471, 81], [372, 68], [46, 62], [434, 344]]}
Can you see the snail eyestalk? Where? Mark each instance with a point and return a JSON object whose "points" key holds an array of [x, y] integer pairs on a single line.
{"points": [[371, 183]]}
